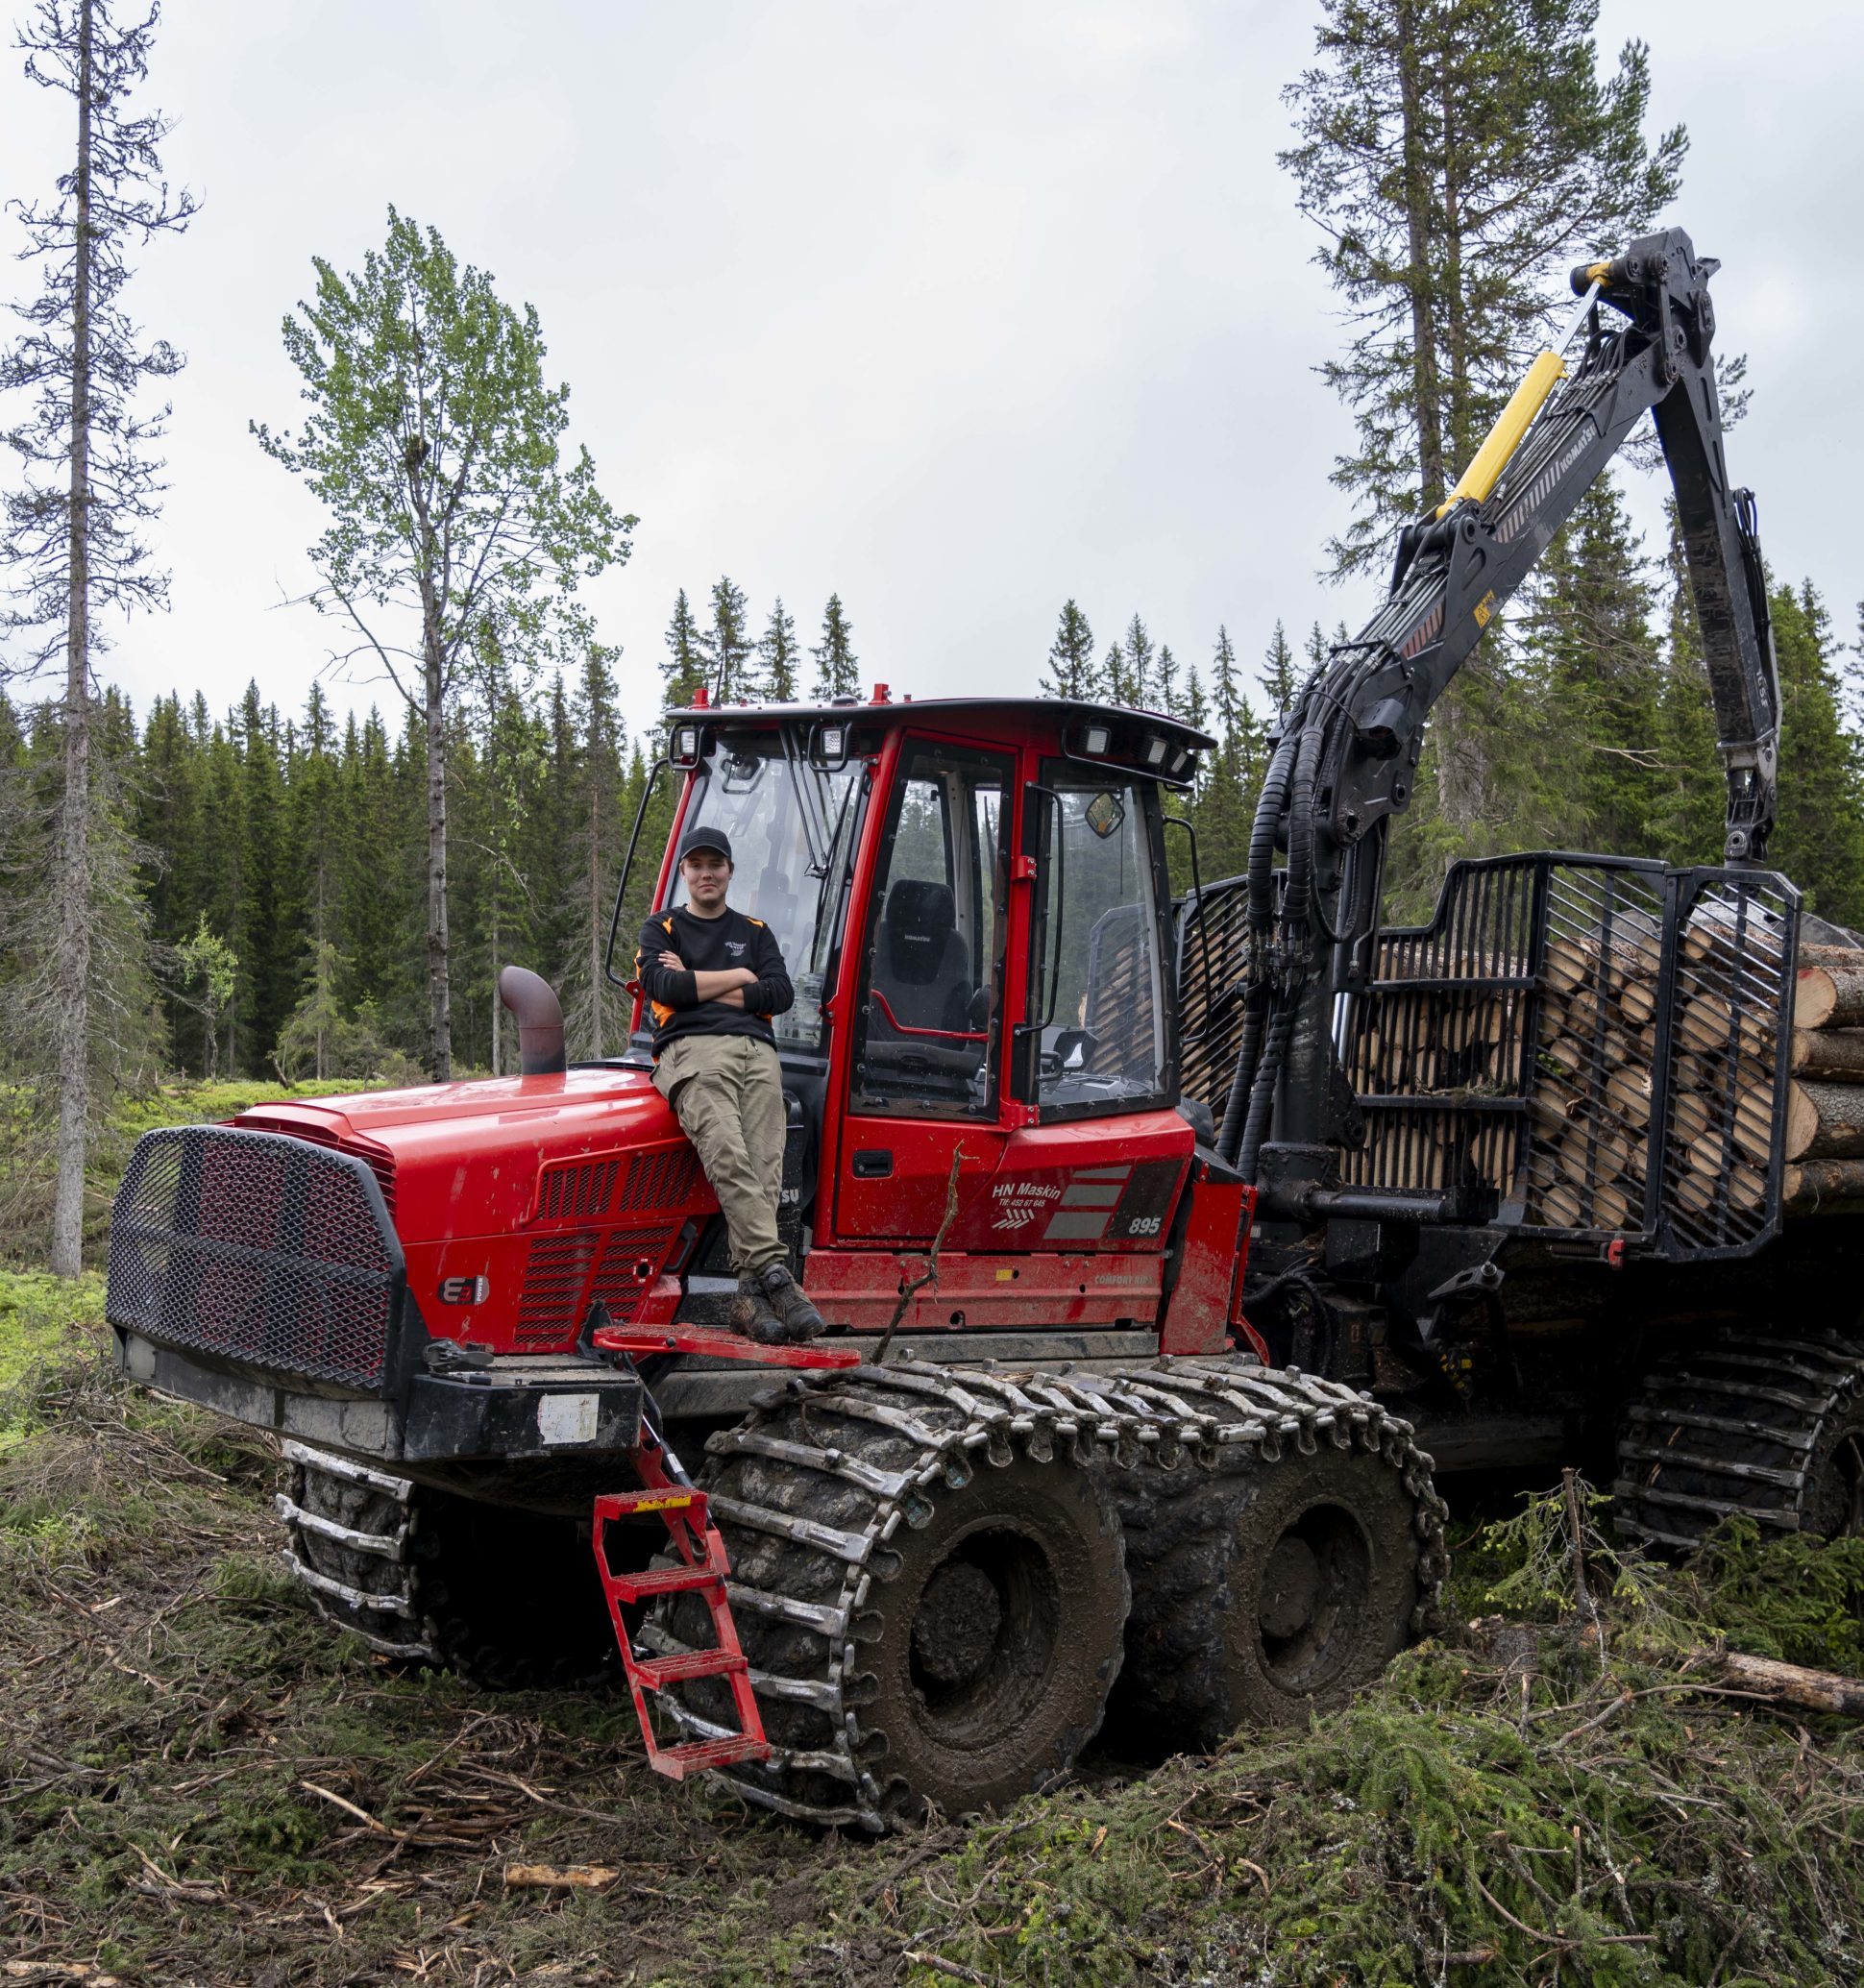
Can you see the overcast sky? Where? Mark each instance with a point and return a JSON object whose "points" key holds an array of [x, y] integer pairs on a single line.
{"points": [[958, 309]]}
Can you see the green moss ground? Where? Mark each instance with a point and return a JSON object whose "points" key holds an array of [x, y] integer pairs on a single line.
{"points": [[205, 1784]]}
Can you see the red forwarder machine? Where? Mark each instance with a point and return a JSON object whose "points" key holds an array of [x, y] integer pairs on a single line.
{"points": [[1146, 1232]]}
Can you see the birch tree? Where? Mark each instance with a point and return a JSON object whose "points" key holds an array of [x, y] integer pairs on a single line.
{"points": [[436, 444], [72, 543]]}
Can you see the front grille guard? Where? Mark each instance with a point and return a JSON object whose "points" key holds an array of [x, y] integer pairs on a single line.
{"points": [[261, 1250]]}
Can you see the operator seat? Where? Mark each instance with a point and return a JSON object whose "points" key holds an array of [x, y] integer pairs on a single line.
{"points": [[922, 966]]}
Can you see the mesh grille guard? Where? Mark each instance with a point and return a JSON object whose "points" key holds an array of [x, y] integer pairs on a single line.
{"points": [[256, 1247]]}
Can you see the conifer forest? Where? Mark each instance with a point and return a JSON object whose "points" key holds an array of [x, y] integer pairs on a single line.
{"points": [[1379, 1495], [310, 889]]}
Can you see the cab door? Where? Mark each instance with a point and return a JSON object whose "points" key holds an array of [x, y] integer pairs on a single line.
{"points": [[924, 1087]]}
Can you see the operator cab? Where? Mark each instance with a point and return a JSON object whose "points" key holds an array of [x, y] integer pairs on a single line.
{"points": [[973, 901]]}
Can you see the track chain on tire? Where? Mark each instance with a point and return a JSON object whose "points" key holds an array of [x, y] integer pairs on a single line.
{"points": [[1735, 1427], [348, 1530], [808, 1521]]}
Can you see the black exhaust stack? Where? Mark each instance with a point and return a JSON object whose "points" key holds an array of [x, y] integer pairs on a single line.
{"points": [[539, 1016]]}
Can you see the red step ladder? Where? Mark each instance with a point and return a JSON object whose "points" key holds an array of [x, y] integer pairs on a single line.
{"points": [[702, 1565]]}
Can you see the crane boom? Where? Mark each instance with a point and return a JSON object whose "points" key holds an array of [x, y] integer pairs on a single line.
{"points": [[1346, 760]]}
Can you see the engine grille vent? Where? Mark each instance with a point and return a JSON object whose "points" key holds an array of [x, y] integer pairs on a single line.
{"points": [[255, 1247], [551, 1306], [576, 1190], [660, 1180], [629, 1264]]}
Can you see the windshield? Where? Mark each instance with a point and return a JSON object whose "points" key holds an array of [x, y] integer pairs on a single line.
{"points": [[792, 830]]}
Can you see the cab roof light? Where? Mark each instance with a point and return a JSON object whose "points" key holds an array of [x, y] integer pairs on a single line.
{"points": [[686, 746], [1155, 752], [1097, 740]]}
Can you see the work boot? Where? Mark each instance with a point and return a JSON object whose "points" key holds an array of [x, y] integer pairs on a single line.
{"points": [[797, 1317], [752, 1316]]}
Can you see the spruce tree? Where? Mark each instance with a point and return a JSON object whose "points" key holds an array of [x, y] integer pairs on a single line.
{"points": [[1819, 841], [595, 1012], [71, 549], [727, 647], [778, 657], [1070, 658], [1165, 681], [837, 666], [1459, 156], [1598, 676], [684, 670], [1111, 685], [1278, 679], [1137, 663]]}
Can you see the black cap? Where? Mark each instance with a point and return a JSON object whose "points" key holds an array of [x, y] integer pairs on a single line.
{"points": [[706, 839]]}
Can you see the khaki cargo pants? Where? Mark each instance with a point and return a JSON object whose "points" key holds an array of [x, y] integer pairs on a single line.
{"points": [[727, 1093]]}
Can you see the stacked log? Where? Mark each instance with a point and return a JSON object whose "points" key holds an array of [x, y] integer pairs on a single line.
{"points": [[1594, 1088], [1593, 1083], [1821, 1141]]}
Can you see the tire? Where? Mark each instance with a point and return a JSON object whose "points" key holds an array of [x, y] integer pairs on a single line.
{"points": [[512, 1599], [1749, 1424], [507, 1599], [933, 1610], [1264, 1592]]}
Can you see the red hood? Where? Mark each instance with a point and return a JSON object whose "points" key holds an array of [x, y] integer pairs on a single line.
{"points": [[466, 1156]]}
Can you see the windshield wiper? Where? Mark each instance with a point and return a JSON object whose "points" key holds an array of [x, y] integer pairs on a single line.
{"points": [[809, 802]]}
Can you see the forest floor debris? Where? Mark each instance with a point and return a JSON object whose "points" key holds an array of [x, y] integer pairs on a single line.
{"points": [[203, 1783]]}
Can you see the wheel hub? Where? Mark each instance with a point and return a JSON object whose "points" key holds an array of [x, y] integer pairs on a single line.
{"points": [[1315, 1584], [956, 1626]]}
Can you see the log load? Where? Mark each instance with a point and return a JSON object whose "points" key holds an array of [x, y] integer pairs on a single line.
{"points": [[1595, 1088], [1830, 989]]}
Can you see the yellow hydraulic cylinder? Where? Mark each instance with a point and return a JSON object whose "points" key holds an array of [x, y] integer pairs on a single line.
{"points": [[1511, 424]]}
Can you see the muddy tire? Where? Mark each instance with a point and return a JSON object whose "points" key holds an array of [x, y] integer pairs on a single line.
{"points": [[933, 1605], [1765, 1427], [1284, 1541], [1263, 1594], [507, 1599]]}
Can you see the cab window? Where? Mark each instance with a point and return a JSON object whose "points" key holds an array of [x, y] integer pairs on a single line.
{"points": [[932, 957], [1096, 997]]}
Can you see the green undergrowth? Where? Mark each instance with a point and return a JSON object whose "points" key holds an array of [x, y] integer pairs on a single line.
{"points": [[41, 1315], [204, 1784]]}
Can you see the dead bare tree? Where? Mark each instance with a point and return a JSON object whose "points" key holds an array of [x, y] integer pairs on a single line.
{"points": [[70, 535]]}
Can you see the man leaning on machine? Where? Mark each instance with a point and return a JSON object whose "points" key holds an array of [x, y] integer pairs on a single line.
{"points": [[713, 978]]}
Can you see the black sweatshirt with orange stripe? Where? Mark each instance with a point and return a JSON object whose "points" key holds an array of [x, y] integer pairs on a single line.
{"points": [[709, 945]]}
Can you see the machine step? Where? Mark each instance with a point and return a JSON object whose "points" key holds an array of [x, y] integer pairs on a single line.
{"points": [[700, 1570]]}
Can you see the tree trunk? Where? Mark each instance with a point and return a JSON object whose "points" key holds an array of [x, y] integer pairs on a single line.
{"points": [[1825, 1121], [1831, 991], [498, 1006], [1832, 1056], [1824, 1186], [1426, 388], [440, 1030], [597, 1002], [73, 998], [1793, 1684]]}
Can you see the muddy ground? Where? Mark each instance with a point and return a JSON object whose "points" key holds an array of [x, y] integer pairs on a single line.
{"points": [[204, 1784]]}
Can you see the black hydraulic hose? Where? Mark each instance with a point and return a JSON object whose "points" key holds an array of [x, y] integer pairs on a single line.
{"points": [[1244, 1076], [1269, 805], [1296, 921], [1261, 1095]]}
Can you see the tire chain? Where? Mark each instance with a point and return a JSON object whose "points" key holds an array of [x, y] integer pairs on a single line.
{"points": [[1734, 1425], [366, 1568], [1222, 1417]]}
